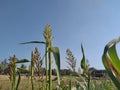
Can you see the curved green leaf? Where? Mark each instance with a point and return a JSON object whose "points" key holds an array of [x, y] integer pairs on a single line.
{"points": [[111, 61], [114, 58], [56, 55], [110, 71]]}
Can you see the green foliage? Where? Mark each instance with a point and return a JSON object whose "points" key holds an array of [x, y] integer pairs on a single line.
{"points": [[111, 61]]}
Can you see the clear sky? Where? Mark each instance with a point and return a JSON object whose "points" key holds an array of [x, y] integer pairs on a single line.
{"points": [[90, 22]]}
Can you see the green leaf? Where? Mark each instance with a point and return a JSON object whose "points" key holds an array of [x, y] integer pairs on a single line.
{"points": [[114, 58], [32, 42], [83, 62], [56, 55], [110, 72], [111, 62], [22, 61]]}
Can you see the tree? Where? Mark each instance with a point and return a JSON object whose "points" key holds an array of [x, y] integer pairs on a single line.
{"points": [[4, 67], [71, 60]]}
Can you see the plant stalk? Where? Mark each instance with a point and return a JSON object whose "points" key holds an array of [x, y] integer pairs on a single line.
{"points": [[32, 70], [50, 70], [46, 62]]}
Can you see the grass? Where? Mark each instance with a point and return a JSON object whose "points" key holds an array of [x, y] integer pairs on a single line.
{"points": [[5, 83], [101, 84]]}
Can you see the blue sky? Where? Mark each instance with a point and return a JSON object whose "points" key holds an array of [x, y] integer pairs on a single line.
{"points": [[90, 22]]}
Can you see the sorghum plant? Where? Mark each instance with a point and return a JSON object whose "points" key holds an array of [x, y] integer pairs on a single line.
{"points": [[49, 50], [85, 68], [14, 70]]}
